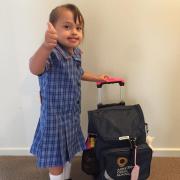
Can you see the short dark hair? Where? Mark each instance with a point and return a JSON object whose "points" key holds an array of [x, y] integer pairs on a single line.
{"points": [[55, 14]]}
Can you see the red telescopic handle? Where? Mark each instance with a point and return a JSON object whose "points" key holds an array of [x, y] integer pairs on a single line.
{"points": [[111, 80]]}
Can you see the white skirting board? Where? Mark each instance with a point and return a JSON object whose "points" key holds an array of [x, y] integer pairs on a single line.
{"points": [[166, 152], [157, 152], [19, 151]]}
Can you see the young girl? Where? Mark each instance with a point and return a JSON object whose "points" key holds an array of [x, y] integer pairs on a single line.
{"points": [[57, 63]]}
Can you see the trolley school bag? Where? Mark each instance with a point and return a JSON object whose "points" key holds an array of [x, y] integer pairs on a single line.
{"points": [[118, 130]]}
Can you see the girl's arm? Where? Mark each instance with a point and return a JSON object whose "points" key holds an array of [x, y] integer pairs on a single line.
{"points": [[88, 76], [38, 61]]}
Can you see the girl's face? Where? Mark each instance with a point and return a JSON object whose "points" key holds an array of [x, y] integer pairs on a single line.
{"points": [[69, 33]]}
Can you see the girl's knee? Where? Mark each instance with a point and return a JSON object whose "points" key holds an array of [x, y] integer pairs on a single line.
{"points": [[56, 170]]}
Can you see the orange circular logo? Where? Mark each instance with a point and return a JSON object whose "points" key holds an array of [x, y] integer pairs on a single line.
{"points": [[122, 161]]}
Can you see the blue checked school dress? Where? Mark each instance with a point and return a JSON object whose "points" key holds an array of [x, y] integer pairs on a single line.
{"points": [[58, 135]]}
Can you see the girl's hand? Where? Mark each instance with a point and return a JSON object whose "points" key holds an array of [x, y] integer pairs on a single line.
{"points": [[103, 77], [50, 37]]}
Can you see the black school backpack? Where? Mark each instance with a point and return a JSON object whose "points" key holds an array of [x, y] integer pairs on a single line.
{"points": [[115, 127]]}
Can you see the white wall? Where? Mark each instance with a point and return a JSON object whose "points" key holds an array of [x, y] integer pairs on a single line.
{"points": [[137, 40]]}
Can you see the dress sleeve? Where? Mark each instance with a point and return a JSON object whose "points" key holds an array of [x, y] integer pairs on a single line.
{"points": [[78, 58], [51, 61], [81, 71]]}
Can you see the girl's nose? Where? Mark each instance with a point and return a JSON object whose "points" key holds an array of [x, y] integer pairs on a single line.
{"points": [[74, 31]]}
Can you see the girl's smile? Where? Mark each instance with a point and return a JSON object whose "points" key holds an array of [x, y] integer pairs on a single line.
{"points": [[73, 39]]}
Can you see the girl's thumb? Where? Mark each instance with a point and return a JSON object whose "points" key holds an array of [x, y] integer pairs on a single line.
{"points": [[50, 27]]}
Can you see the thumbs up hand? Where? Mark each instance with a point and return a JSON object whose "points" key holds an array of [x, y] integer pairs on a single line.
{"points": [[50, 37]]}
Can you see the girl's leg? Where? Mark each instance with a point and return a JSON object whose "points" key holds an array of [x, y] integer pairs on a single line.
{"points": [[67, 170], [56, 173]]}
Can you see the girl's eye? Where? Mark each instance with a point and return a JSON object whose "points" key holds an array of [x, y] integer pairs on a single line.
{"points": [[79, 28], [67, 27]]}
